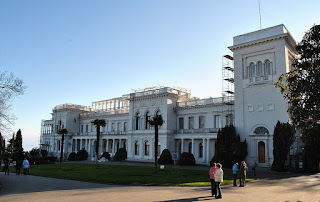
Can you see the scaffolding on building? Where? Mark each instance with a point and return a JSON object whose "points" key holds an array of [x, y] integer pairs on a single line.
{"points": [[228, 89]]}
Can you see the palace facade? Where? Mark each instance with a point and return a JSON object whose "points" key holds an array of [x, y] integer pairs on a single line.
{"points": [[190, 124]]}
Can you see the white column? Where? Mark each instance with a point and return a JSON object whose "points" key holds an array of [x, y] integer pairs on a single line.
{"points": [[208, 150], [113, 146], [193, 147], [204, 150], [76, 145], [182, 145], [89, 149]]}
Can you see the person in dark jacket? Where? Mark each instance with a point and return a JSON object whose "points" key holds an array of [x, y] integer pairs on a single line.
{"points": [[18, 166], [6, 167], [243, 173]]}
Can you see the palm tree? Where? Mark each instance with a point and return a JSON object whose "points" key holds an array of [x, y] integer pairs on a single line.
{"points": [[98, 123], [62, 132], [156, 122]]}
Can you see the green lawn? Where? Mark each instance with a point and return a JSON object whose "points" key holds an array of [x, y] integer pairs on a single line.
{"points": [[120, 174]]}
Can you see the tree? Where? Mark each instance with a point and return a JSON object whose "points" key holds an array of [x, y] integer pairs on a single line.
{"points": [[2, 144], [62, 132], [156, 122], [283, 137], [17, 147], [229, 148], [301, 87], [98, 123], [10, 87]]}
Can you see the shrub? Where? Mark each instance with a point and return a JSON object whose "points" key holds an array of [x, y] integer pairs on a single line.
{"points": [[121, 155], [44, 153], [165, 157], [105, 155], [82, 155], [186, 159], [72, 156]]}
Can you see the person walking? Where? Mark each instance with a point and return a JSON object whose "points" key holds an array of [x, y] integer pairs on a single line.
{"points": [[6, 167], [26, 166], [243, 173], [235, 171], [213, 171], [18, 166], [218, 179], [254, 169]]}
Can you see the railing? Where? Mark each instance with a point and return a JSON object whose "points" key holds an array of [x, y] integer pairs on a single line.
{"points": [[101, 113], [193, 131], [259, 79], [160, 90], [207, 101], [71, 106]]}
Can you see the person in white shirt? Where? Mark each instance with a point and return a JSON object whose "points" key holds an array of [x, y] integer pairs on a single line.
{"points": [[218, 179], [26, 166]]}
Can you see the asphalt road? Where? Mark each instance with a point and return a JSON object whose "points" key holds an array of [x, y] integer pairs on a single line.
{"points": [[278, 187]]}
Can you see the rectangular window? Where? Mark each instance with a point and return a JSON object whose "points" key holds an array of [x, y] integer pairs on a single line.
{"points": [[191, 122], [87, 128], [217, 121], [125, 125], [118, 126], [91, 128], [81, 128], [112, 127], [201, 121], [181, 123]]}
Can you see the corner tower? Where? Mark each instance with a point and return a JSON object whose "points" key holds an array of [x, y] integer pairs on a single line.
{"points": [[260, 58]]}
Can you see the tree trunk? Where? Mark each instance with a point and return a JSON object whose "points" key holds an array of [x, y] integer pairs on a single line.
{"points": [[97, 143], [62, 144], [156, 147]]}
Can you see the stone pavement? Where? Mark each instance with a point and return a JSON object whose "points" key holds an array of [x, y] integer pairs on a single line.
{"points": [[275, 188]]}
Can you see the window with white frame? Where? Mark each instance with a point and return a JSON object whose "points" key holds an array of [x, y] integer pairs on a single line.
{"points": [[252, 70], [217, 121], [201, 121], [191, 122], [181, 123], [146, 148], [259, 69], [136, 148], [125, 125]]}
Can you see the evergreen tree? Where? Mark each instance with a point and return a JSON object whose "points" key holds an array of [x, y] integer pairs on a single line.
{"points": [[301, 87], [228, 147], [17, 147], [283, 137]]}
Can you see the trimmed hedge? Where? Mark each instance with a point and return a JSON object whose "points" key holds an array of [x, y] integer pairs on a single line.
{"points": [[121, 155], [165, 157], [72, 156], [186, 159], [82, 155]]}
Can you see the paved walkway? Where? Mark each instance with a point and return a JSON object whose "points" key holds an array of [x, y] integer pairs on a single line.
{"points": [[278, 188]]}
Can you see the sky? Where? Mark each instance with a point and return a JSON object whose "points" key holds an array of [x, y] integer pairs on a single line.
{"points": [[80, 51]]}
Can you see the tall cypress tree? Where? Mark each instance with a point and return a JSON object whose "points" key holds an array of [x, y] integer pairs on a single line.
{"points": [[18, 149]]}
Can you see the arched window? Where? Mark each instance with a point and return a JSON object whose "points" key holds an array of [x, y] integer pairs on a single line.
{"points": [[146, 148], [259, 69], [190, 147], [261, 131], [158, 113], [200, 150], [267, 68], [118, 146], [136, 148], [261, 152], [148, 117], [252, 70], [138, 120]]}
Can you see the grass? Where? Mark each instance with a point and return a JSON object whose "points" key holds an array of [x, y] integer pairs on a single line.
{"points": [[126, 175]]}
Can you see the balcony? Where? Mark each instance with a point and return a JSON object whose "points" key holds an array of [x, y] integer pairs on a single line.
{"points": [[196, 131], [207, 101], [258, 80]]}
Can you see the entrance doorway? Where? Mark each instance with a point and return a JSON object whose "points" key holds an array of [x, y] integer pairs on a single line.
{"points": [[261, 152]]}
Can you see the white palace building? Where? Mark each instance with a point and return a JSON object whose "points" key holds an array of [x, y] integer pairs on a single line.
{"points": [[190, 124]]}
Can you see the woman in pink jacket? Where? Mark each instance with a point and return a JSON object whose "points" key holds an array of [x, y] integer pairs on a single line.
{"points": [[212, 172], [218, 178]]}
